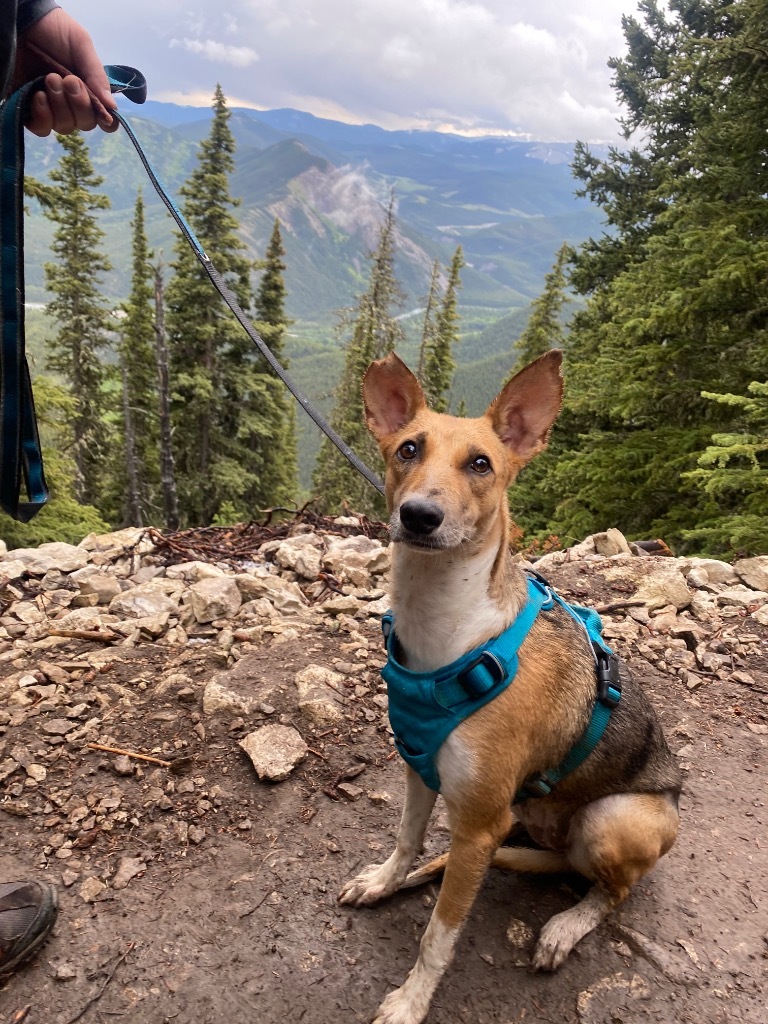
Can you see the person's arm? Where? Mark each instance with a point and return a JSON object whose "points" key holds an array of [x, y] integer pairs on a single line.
{"points": [[64, 105]]}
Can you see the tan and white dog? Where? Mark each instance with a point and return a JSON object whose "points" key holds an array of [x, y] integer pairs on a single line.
{"points": [[454, 586]]}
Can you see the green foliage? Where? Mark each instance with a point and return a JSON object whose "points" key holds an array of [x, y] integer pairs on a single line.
{"points": [[733, 473], [280, 478], [544, 329], [373, 330], [135, 464], [62, 518], [439, 363], [225, 406], [675, 295], [78, 309]]}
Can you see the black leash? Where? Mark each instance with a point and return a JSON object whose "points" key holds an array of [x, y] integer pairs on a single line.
{"points": [[19, 442], [20, 454]]}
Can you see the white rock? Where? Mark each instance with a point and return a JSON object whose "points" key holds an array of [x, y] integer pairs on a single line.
{"points": [[102, 586], [357, 552], [285, 596], [717, 571], [11, 569], [119, 541], [215, 598], [219, 699], [127, 869], [301, 554], [57, 555], [319, 692], [341, 604], [586, 547], [663, 586], [754, 571], [145, 601], [612, 542], [742, 597], [274, 750], [193, 572], [761, 615], [91, 889]]}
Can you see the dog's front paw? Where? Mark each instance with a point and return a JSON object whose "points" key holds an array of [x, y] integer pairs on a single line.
{"points": [[556, 941], [397, 1008], [371, 885]]}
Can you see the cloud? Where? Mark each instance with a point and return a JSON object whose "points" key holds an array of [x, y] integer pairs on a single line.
{"points": [[237, 56], [535, 66]]}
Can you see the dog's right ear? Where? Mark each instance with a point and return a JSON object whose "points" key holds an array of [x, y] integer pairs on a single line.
{"points": [[392, 396]]}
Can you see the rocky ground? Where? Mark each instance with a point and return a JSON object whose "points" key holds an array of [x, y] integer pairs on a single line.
{"points": [[194, 748]]}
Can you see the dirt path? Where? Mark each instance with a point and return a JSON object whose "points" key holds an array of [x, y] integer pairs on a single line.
{"points": [[231, 914]]}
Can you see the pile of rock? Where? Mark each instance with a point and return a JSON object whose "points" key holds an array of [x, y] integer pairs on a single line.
{"points": [[119, 588]]}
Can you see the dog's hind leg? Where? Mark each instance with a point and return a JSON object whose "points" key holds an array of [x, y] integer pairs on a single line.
{"points": [[614, 841], [380, 880]]}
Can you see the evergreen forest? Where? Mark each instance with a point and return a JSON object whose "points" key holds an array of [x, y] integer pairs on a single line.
{"points": [[161, 412]]}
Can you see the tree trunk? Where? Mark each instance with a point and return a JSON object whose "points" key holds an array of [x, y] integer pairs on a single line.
{"points": [[167, 471], [133, 511]]}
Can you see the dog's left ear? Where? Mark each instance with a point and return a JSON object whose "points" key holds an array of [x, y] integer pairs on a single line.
{"points": [[391, 394], [523, 413]]}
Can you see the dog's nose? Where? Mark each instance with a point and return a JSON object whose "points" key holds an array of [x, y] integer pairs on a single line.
{"points": [[422, 517]]}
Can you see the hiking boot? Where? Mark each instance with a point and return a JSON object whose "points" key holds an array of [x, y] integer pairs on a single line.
{"points": [[27, 913]]}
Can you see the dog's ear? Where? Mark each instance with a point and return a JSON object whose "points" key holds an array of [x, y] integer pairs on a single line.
{"points": [[391, 394], [523, 413]]}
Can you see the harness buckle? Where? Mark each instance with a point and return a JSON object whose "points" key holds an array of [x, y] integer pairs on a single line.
{"points": [[608, 678], [479, 683]]}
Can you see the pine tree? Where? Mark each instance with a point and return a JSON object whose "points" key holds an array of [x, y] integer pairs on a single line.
{"points": [[78, 309], [139, 387], [224, 408], [281, 463], [544, 329], [373, 331], [439, 364], [429, 323], [733, 474], [167, 462], [676, 294]]}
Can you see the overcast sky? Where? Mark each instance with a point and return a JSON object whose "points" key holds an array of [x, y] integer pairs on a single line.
{"points": [[533, 66]]}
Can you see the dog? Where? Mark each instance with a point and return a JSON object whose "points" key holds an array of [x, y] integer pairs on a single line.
{"points": [[455, 588]]}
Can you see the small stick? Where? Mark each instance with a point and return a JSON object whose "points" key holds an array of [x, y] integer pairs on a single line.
{"points": [[86, 634], [100, 993], [129, 753], [601, 609], [21, 1014], [317, 753]]}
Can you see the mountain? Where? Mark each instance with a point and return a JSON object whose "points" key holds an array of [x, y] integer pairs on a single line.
{"points": [[510, 203]]}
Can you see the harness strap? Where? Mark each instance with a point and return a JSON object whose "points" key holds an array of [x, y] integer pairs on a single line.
{"points": [[20, 453]]}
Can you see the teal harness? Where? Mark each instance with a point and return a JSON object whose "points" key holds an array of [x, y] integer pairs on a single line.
{"points": [[425, 707]]}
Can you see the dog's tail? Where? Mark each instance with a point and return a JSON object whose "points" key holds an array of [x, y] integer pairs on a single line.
{"points": [[508, 858]]}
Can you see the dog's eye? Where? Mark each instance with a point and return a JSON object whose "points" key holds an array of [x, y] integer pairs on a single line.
{"points": [[480, 465], [407, 451]]}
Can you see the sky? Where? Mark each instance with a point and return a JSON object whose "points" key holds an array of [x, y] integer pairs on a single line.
{"points": [[536, 67]]}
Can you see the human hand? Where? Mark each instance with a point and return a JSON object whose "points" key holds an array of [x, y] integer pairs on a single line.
{"points": [[64, 105]]}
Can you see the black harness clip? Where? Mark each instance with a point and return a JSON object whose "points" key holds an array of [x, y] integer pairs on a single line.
{"points": [[608, 678]]}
